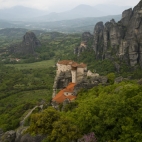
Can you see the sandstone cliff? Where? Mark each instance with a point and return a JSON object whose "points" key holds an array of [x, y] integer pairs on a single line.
{"points": [[27, 46], [86, 42], [122, 39]]}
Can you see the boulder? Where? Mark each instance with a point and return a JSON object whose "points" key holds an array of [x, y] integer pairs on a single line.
{"points": [[29, 138], [90, 82], [1, 133], [118, 79], [19, 133], [8, 136], [103, 79]]}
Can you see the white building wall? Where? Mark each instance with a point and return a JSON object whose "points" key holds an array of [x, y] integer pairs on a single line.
{"points": [[68, 67], [61, 67], [80, 70], [89, 73], [74, 76], [67, 93]]}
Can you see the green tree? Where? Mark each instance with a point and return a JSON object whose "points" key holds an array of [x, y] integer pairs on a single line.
{"points": [[42, 123], [64, 130], [111, 77]]}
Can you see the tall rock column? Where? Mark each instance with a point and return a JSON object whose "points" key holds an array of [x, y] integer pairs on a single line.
{"points": [[27, 46], [98, 39]]}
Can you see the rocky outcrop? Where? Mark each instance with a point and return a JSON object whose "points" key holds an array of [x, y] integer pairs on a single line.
{"points": [[117, 67], [98, 38], [118, 79], [86, 41], [90, 82], [29, 138], [61, 81], [27, 46], [123, 39], [18, 136], [8, 136]]}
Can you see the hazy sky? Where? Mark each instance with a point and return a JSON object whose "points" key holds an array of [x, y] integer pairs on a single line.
{"points": [[62, 5]]}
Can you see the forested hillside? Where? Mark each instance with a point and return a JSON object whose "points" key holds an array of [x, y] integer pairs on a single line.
{"points": [[112, 113], [21, 90]]}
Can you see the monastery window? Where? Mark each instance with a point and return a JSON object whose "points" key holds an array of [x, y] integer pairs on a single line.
{"points": [[66, 94]]}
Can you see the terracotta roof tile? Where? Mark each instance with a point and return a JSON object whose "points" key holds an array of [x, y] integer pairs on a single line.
{"points": [[66, 62], [60, 97], [75, 64], [82, 65], [72, 63]]}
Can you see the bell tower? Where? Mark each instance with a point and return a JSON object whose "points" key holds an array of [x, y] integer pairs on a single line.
{"points": [[74, 74]]}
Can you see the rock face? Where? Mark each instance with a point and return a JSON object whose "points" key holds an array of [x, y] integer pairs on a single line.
{"points": [[86, 40], [1, 132], [61, 81], [29, 138], [12, 136], [8, 136], [27, 46], [122, 39], [88, 83]]}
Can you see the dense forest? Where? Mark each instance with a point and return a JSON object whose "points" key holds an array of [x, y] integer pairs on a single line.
{"points": [[104, 113], [21, 90]]}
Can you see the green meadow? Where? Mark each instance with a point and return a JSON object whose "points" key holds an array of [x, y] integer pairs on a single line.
{"points": [[35, 65]]}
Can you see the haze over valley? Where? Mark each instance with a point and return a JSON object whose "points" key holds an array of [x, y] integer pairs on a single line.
{"points": [[79, 18]]}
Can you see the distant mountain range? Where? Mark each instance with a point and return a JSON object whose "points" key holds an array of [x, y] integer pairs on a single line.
{"points": [[83, 11], [20, 13], [111, 9], [79, 19], [66, 26]]}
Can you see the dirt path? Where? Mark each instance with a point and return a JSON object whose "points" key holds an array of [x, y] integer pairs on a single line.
{"points": [[22, 122]]}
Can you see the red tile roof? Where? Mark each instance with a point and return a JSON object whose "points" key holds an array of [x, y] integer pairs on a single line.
{"points": [[72, 63], [66, 62], [60, 97], [82, 65]]}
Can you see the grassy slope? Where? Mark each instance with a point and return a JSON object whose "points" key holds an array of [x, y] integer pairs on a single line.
{"points": [[36, 65]]}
